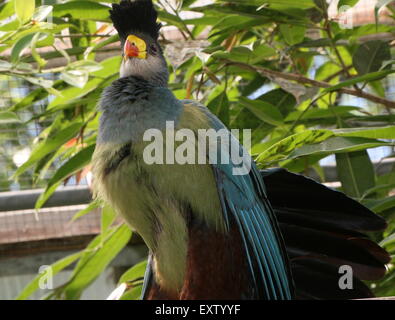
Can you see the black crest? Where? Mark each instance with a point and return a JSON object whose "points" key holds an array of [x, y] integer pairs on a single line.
{"points": [[138, 15]]}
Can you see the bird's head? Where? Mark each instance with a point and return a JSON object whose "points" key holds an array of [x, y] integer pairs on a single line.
{"points": [[136, 23]]}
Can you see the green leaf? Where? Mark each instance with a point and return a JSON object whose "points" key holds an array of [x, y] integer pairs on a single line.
{"points": [[381, 205], [7, 9], [20, 46], [97, 260], [76, 78], [39, 81], [73, 165], [134, 273], [277, 4], [382, 188], [92, 206], [241, 54], [9, 117], [220, 107], [82, 10], [386, 132], [292, 34], [24, 9], [365, 78], [390, 240], [172, 20], [281, 149], [42, 13], [350, 3], [49, 145], [262, 52], [38, 39], [108, 217], [85, 65], [58, 266], [109, 68], [5, 66], [263, 110], [27, 101], [337, 145], [100, 45], [317, 114], [356, 173], [133, 294], [74, 93], [370, 56]]}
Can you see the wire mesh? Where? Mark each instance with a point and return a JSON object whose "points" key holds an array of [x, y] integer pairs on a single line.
{"points": [[27, 233]]}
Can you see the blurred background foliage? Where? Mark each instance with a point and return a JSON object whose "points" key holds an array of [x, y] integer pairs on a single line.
{"points": [[311, 90]]}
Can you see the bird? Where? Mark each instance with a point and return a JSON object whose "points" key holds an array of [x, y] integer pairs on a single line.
{"points": [[213, 232]]}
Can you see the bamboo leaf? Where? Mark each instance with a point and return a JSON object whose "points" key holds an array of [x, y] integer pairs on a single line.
{"points": [[24, 9], [349, 3], [220, 107], [365, 78], [9, 117], [370, 56], [292, 34], [108, 217], [92, 206], [134, 273], [74, 164], [381, 205], [48, 146], [263, 110], [95, 263], [83, 10], [337, 145], [356, 173], [58, 266], [20, 46], [385, 132], [281, 149]]}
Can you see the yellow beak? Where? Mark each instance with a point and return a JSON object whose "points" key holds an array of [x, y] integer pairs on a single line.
{"points": [[135, 48]]}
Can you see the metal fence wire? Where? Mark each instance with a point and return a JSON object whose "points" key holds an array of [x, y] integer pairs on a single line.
{"points": [[23, 231]]}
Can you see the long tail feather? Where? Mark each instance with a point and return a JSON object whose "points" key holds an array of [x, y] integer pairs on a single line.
{"points": [[323, 229]]}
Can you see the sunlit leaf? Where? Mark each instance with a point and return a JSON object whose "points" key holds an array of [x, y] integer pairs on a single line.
{"points": [[58, 266], [24, 9], [9, 117], [134, 273], [95, 262], [91, 207], [48, 146], [77, 162]]}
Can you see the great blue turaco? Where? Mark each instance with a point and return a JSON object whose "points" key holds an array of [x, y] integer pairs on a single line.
{"points": [[213, 234]]}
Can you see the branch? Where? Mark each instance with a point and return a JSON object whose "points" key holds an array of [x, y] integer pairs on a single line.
{"points": [[303, 80], [83, 36]]}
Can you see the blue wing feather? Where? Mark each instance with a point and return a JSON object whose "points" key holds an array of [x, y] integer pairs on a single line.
{"points": [[243, 198], [148, 277]]}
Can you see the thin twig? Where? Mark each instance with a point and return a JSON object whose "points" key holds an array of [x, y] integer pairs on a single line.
{"points": [[84, 35], [175, 11], [303, 80]]}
